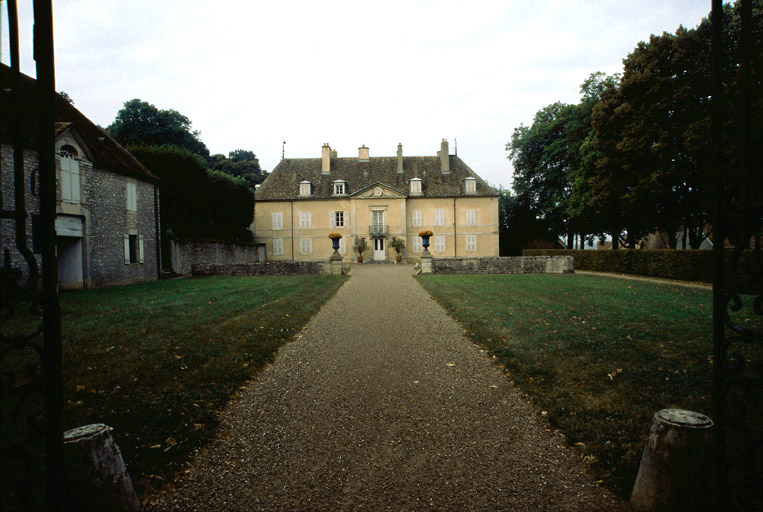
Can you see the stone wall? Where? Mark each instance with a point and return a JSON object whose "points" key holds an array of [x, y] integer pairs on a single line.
{"points": [[187, 254], [270, 268], [504, 265]]}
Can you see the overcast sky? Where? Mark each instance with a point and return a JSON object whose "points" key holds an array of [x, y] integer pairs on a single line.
{"points": [[252, 74]]}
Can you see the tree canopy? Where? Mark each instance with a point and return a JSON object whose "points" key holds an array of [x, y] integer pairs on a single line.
{"points": [[141, 123], [634, 155], [240, 163]]}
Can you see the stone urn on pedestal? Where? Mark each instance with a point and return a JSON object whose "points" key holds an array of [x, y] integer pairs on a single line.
{"points": [[426, 256], [335, 260]]}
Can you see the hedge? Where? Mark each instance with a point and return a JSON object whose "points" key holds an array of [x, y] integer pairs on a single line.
{"points": [[684, 265]]}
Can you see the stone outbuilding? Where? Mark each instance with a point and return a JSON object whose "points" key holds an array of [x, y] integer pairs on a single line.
{"points": [[107, 208]]}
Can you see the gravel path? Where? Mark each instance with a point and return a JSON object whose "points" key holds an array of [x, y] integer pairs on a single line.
{"points": [[382, 403]]}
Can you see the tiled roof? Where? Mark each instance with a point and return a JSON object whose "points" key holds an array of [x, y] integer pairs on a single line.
{"points": [[283, 182], [107, 154]]}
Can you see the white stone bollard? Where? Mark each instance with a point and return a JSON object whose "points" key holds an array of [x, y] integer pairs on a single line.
{"points": [[96, 475], [675, 469]]}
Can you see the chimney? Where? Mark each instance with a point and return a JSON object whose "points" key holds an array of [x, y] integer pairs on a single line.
{"points": [[333, 153], [444, 157], [363, 153], [399, 158], [326, 159]]}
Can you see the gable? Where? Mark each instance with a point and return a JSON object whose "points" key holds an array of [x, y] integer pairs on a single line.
{"points": [[378, 190]]}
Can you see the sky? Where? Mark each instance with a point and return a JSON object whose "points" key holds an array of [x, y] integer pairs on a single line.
{"points": [[250, 75]]}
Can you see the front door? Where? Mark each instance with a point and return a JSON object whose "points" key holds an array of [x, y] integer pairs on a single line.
{"points": [[379, 249]]}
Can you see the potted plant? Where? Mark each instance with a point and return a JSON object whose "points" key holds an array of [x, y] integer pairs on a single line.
{"points": [[425, 239], [335, 237], [360, 245], [398, 244]]}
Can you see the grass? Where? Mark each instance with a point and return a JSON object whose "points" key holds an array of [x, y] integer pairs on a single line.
{"points": [[598, 354], [158, 361]]}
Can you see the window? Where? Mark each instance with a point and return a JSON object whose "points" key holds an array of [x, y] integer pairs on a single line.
{"points": [[471, 242], [304, 188], [471, 217], [305, 220], [342, 246], [339, 188], [416, 186], [439, 217], [69, 180], [470, 185], [277, 246], [416, 218], [278, 221], [439, 243], [417, 247], [67, 151], [306, 246], [132, 197], [339, 219], [133, 245]]}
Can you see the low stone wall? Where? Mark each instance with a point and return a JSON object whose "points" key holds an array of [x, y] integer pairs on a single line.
{"points": [[504, 265], [270, 268], [187, 254]]}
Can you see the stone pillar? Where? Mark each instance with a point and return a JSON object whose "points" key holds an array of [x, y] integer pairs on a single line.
{"points": [[336, 264], [675, 472], [426, 263], [96, 475]]}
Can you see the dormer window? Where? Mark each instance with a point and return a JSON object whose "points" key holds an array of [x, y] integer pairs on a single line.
{"points": [[470, 185], [305, 188], [339, 188], [416, 186]]}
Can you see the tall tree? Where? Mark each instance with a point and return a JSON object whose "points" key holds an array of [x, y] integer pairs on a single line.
{"points": [[540, 154], [240, 163], [141, 123]]}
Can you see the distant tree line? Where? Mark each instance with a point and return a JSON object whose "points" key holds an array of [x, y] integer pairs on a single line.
{"points": [[634, 155], [201, 196]]}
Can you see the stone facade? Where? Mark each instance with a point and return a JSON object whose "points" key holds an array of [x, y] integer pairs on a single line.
{"points": [[100, 215], [376, 198], [504, 265]]}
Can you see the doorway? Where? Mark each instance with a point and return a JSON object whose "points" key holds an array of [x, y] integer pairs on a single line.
{"points": [[379, 249]]}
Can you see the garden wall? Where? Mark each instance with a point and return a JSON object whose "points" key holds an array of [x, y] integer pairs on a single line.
{"points": [[270, 268], [188, 253], [504, 265]]}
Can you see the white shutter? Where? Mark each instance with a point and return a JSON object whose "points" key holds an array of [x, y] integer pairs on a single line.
{"points": [[66, 180], [347, 219], [74, 166], [140, 248], [332, 219], [127, 249]]}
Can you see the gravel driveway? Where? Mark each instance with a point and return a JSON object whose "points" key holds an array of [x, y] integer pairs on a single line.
{"points": [[382, 403]]}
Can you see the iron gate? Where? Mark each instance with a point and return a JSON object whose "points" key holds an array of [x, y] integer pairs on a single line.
{"points": [[738, 282], [31, 440]]}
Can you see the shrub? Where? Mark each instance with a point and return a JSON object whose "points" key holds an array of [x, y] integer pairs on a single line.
{"points": [[683, 265]]}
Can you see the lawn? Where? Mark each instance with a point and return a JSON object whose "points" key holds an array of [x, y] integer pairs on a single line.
{"points": [[158, 361], [598, 355]]}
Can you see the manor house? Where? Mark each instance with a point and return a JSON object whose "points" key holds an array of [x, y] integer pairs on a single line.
{"points": [[376, 198]]}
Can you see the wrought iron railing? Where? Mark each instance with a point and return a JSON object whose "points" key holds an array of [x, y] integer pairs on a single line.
{"points": [[738, 284], [378, 230], [31, 433]]}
